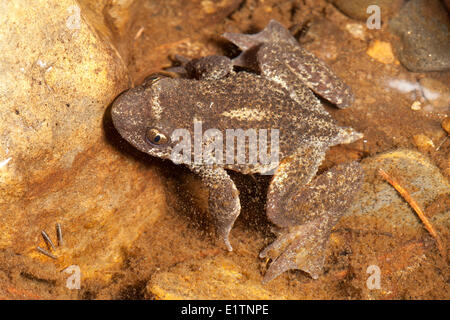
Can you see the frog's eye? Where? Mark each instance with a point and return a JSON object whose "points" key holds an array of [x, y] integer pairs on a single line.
{"points": [[154, 78], [150, 80], [155, 137]]}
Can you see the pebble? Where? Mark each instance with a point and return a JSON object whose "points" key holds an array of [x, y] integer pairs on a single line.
{"points": [[423, 142], [416, 105], [437, 94], [356, 30], [446, 124], [423, 28], [381, 51]]}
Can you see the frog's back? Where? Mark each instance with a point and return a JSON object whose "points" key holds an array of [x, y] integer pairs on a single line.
{"points": [[249, 101]]}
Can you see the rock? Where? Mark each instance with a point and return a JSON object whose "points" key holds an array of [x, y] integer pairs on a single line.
{"points": [[386, 232], [437, 93], [357, 9], [356, 30], [424, 30], [416, 105], [380, 200], [59, 157], [212, 278], [381, 51], [423, 142], [446, 124]]}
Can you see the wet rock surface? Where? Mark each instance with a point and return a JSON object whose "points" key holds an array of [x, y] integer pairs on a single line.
{"points": [[424, 31], [357, 9], [59, 162], [137, 226]]}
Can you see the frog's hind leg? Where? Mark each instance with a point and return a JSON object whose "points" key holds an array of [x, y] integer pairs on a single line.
{"points": [[306, 217], [290, 63], [273, 32]]}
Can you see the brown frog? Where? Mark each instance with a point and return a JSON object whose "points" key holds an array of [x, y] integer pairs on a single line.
{"points": [[275, 93]]}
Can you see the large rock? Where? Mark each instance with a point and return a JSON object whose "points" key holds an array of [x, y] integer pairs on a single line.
{"points": [[57, 77], [357, 9], [424, 30], [381, 229]]}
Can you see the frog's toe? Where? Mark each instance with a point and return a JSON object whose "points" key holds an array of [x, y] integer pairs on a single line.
{"points": [[302, 248], [273, 32], [223, 233]]}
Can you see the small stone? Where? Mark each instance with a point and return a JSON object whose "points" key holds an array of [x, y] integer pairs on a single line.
{"points": [[423, 142], [416, 105], [437, 93], [423, 28], [209, 7], [356, 30], [357, 9], [446, 124], [381, 51]]}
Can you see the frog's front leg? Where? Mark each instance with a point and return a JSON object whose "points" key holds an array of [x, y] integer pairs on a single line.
{"points": [[212, 67], [306, 211], [224, 204]]}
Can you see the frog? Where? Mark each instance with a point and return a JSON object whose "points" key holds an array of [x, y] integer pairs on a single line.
{"points": [[273, 84]]}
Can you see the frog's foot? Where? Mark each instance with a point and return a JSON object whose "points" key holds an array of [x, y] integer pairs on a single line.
{"points": [[302, 247], [307, 217], [274, 32], [224, 204], [250, 43], [50, 245]]}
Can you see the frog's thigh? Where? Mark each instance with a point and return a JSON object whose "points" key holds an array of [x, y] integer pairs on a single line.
{"points": [[293, 173], [224, 204], [312, 213]]}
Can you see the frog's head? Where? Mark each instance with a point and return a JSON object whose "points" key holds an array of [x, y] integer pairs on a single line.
{"points": [[140, 118]]}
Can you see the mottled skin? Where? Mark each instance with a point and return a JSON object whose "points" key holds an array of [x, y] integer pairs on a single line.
{"points": [[276, 96]]}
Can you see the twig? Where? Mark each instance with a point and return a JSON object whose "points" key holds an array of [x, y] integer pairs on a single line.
{"points": [[48, 254], [405, 194]]}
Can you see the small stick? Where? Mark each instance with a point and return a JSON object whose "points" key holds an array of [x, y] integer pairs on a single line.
{"points": [[48, 254], [138, 34], [405, 194], [441, 143], [47, 239], [59, 234]]}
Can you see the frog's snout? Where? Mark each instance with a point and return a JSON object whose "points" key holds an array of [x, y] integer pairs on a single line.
{"points": [[118, 114]]}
